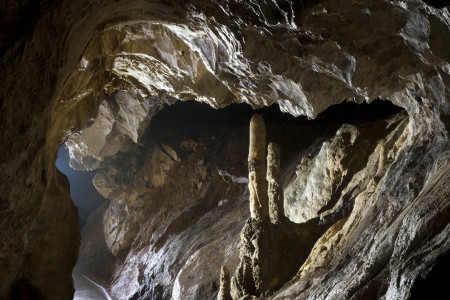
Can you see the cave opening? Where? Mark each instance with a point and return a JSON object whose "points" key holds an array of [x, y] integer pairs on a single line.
{"points": [[205, 147], [82, 192]]}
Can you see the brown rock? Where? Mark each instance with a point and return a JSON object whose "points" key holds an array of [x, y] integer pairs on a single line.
{"points": [[224, 291]]}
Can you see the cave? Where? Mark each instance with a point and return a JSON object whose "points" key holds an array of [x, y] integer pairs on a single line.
{"points": [[236, 149], [183, 134]]}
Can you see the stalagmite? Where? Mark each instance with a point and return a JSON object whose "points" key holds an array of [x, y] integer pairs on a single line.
{"points": [[257, 185], [275, 187], [382, 160], [224, 292]]}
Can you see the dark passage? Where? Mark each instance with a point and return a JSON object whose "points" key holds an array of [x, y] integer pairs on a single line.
{"points": [[434, 285], [190, 116], [185, 112], [438, 3]]}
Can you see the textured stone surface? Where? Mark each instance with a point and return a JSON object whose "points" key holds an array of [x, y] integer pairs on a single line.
{"points": [[225, 283], [271, 254], [141, 201], [330, 248], [257, 166], [66, 58], [275, 185], [167, 200], [120, 121], [320, 178]]}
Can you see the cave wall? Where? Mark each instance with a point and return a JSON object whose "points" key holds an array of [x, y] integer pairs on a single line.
{"points": [[61, 58], [37, 215], [180, 196]]}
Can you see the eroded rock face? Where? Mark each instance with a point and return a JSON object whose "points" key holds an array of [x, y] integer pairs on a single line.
{"points": [[121, 119], [168, 198], [354, 196], [321, 177], [389, 213], [185, 232]]}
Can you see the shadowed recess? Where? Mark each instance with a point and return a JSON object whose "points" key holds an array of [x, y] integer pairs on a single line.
{"points": [[438, 3], [434, 284]]}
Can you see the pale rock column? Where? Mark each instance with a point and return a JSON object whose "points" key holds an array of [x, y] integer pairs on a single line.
{"points": [[257, 184], [275, 189], [224, 292], [382, 160]]}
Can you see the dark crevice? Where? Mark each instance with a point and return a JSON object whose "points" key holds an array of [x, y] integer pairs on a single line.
{"points": [[349, 111], [434, 284], [20, 21], [192, 111], [437, 3], [23, 289]]}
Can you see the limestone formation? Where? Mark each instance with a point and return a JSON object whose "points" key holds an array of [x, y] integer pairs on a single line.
{"points": [[275, 186], [257, 184], [387, 206], [271, 249], [224, 291], [318, 180]]}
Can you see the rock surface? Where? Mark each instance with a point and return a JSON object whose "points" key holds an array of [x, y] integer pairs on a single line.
{"points": [[225, 284], [277, 252], [275, 185], [94, 73]]}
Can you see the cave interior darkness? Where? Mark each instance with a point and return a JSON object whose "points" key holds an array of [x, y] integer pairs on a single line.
{"points": [[199, 119]]}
